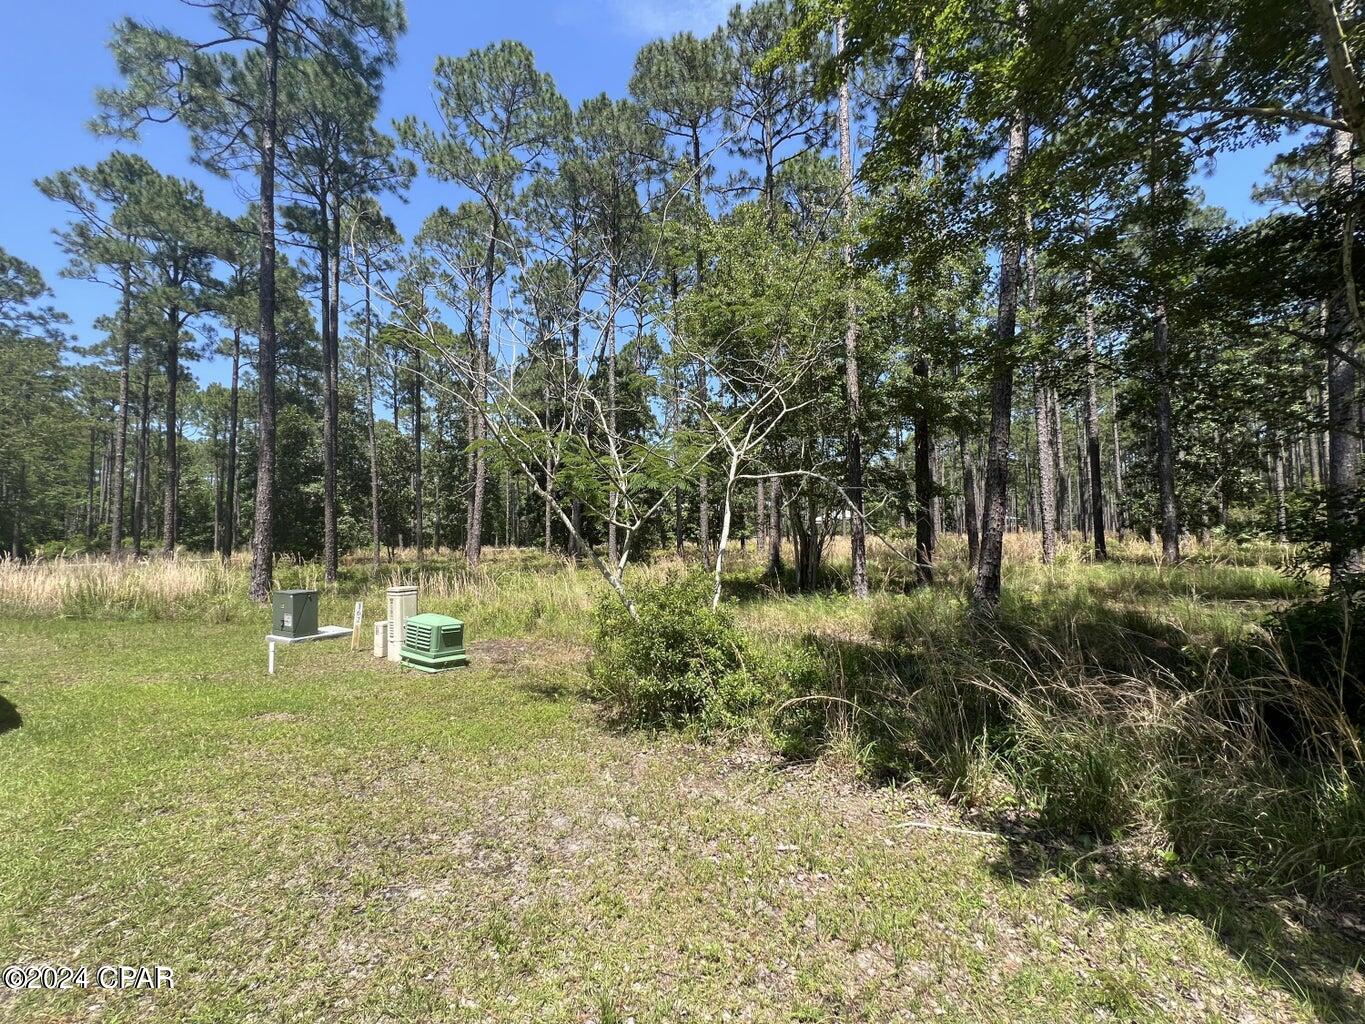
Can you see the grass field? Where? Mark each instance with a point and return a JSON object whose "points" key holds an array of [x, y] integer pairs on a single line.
{"points": [[348, 842]]}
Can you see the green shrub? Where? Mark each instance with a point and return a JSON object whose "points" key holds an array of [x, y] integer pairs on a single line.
{"points": [[680, 661]]}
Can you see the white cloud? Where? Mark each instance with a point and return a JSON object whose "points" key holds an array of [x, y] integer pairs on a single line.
{"points": [[647, 19], [665, 17]]}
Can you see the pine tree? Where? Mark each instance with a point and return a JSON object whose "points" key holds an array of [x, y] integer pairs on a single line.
{"points": [[500, 116]]}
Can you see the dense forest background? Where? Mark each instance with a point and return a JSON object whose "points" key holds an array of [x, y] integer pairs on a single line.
{"points": [[840, 268]]}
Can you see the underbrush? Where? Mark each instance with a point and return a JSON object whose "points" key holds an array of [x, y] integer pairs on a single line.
{"points": [[1180, 730], [1208, 711]]}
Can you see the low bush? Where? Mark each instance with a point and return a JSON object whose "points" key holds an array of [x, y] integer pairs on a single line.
{"points": [[676, 661]]}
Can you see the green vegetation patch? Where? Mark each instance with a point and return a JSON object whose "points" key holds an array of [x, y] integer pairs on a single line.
{"points": [[345, 841]]}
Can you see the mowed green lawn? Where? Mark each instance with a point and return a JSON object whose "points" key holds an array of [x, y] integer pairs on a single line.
{"points": [[345, 841]]}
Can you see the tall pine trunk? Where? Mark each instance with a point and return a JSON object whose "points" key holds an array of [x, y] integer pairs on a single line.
{"points": [[576, 505], [263, 535], [436, 449], [1277, 488], [760, 530], [140, 469], [986, 588], [474, 542], [1342, 444], [549, 443], [1062, 484], [1047, 482], [924, 482], [329, 397], [676, 399], [775, 527], [1042, 415], [172, 506], [1165, 448], [703, 495], [613, 554], [369, 419], [417, 528], [972, 521], [216, 448], [1118, 461], [90, 488], [1092, 429], [1167, 513], [121, 438], [854, 470], [230, 485]]}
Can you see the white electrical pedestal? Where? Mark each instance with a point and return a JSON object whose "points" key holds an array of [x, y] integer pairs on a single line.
{"points": [[381, 639], [402, 606]]}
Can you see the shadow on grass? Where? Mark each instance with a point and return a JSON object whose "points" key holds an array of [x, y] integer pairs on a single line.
{"points": [[9, 716], [553, 692], [1310, 953], [748, 584], [747, 589], [1209, 583]]}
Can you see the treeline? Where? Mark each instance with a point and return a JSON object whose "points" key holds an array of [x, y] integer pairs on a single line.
{"points": [[839, 267]]}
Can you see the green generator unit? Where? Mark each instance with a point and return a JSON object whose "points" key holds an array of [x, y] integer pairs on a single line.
{"points": [[434, 643], [295, 613]]}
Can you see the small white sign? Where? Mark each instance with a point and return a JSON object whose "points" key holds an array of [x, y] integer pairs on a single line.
{"points": [[359, 610]]}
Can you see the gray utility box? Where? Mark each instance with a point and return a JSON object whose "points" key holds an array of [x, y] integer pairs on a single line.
{"points": [[295, 613]]}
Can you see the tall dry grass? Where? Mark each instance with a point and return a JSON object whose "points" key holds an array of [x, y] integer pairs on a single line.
{"points": [[1226, 756], [153, 588], [512, 592], [557, 593], [1169, 727]]}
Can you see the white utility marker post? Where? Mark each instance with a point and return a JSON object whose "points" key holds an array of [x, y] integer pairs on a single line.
{"points": [[270, 668]]}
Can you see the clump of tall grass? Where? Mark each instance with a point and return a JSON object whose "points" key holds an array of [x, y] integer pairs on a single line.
{"points": [[1194, 756]]}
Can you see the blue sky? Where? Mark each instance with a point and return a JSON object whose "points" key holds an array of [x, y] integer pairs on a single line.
{"points": [[54, 56]]}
